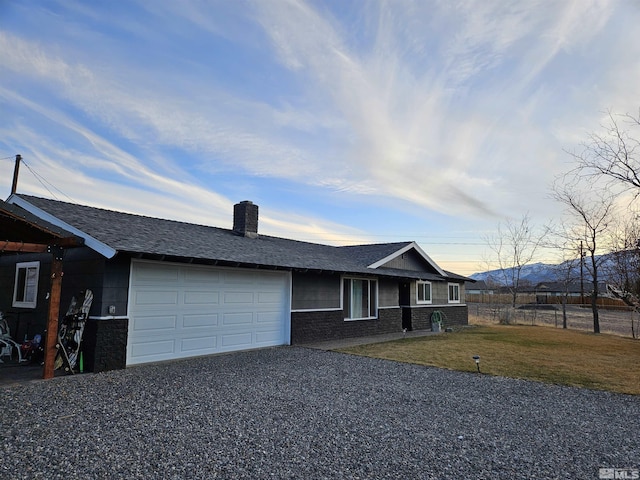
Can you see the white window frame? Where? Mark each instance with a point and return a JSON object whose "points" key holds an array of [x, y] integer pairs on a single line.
{"points": [[372, 288], [456, 289], [420, 285], [28, 297]]}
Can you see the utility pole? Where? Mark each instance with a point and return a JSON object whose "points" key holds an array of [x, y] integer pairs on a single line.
{"points": [[16, 169]]}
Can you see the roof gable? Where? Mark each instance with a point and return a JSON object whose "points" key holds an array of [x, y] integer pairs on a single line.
{"points": [[409, 257], [371, 254]]}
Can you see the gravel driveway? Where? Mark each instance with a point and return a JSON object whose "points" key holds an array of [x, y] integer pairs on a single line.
{"points": [[293, 412]]}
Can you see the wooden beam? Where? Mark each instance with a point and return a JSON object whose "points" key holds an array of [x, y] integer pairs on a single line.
{"points": [[52, 321], [67, 242], [8, 246]]}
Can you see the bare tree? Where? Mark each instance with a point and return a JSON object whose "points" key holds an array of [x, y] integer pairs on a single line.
{"points": [[590, 212], [565, 273], [624, 263], [614, 154], [515, 245]]}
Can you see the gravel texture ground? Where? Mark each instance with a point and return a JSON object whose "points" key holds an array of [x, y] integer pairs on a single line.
{"points": [[294, 412]]}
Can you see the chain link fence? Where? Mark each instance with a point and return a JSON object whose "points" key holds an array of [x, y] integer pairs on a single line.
{"points": [[618, 321]]}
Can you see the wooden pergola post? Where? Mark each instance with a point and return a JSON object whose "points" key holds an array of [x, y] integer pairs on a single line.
{"points": [[54, 312]]}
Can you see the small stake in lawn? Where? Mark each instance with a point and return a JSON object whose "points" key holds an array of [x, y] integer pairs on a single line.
{"points": [[477, 359]]}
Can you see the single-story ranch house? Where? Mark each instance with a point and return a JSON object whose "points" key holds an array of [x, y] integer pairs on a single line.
{"points": [[166, 289]]}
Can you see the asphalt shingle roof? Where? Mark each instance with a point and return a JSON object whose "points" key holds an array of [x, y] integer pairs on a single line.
{"points": [[137, 234]]}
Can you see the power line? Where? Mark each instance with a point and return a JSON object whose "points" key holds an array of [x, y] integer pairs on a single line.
{"points": [[43, 180], [310, 239], [40, 179]]}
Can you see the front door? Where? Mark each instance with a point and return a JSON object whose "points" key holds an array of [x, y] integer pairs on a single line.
{"points": [[405, 304]]}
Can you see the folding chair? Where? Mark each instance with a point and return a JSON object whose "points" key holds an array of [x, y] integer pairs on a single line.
{"points": [[7, 344]]}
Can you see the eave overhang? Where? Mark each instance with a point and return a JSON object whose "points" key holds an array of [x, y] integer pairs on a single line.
{"points": [[96, 245]]}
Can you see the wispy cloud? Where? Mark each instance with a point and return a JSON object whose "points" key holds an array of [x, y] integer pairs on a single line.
{"points": [[212, 123], [394, 111], [117, 180], [457, 107]]}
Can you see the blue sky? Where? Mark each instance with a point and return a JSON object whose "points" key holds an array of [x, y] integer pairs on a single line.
{"points": [[346, 121]]}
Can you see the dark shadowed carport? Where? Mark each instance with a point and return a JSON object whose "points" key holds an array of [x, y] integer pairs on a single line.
{"points": [[21, 232]]}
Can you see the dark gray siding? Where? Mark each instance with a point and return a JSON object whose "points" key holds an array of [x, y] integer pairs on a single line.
{"points": [[388, 293], [83, 269], [312, 291], [115, 290], [25, 321], [315, 291], [440, 293], [107, 279], [410, 260]]}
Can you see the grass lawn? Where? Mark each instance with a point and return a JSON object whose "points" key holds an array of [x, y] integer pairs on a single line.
{"points": [[567, 357]]}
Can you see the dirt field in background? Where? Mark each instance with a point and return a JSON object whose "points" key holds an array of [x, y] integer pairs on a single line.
{"points": [[578, 318]]}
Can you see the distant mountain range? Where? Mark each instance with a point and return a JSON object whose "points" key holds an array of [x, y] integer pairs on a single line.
{"points": [[544, 272]]}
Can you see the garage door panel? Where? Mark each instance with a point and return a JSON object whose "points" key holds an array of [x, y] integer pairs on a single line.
{"points": [[267, 337], [200, 320], [238, 298], [201, 298], [237, 318], [233, 277], [203, 344], [180, 311], [155, 323], [270, 298], [274, 318], [155, 273], [267, 277], [153, 348], [156, 297], [202, 276], [237, 340]]}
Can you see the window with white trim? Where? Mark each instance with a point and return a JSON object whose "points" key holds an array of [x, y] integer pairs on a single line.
{"points": [[25, 290], [423, 294], [454, 293], [360, 298]]}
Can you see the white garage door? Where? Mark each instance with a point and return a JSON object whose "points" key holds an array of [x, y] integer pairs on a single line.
{"points": [[178, 311]]}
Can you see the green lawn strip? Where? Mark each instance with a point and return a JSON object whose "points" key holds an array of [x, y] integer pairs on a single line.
{"points": [[546, 354]]}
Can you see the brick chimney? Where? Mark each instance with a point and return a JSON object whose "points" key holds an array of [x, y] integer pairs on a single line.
{"points": [[245, 219]]}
